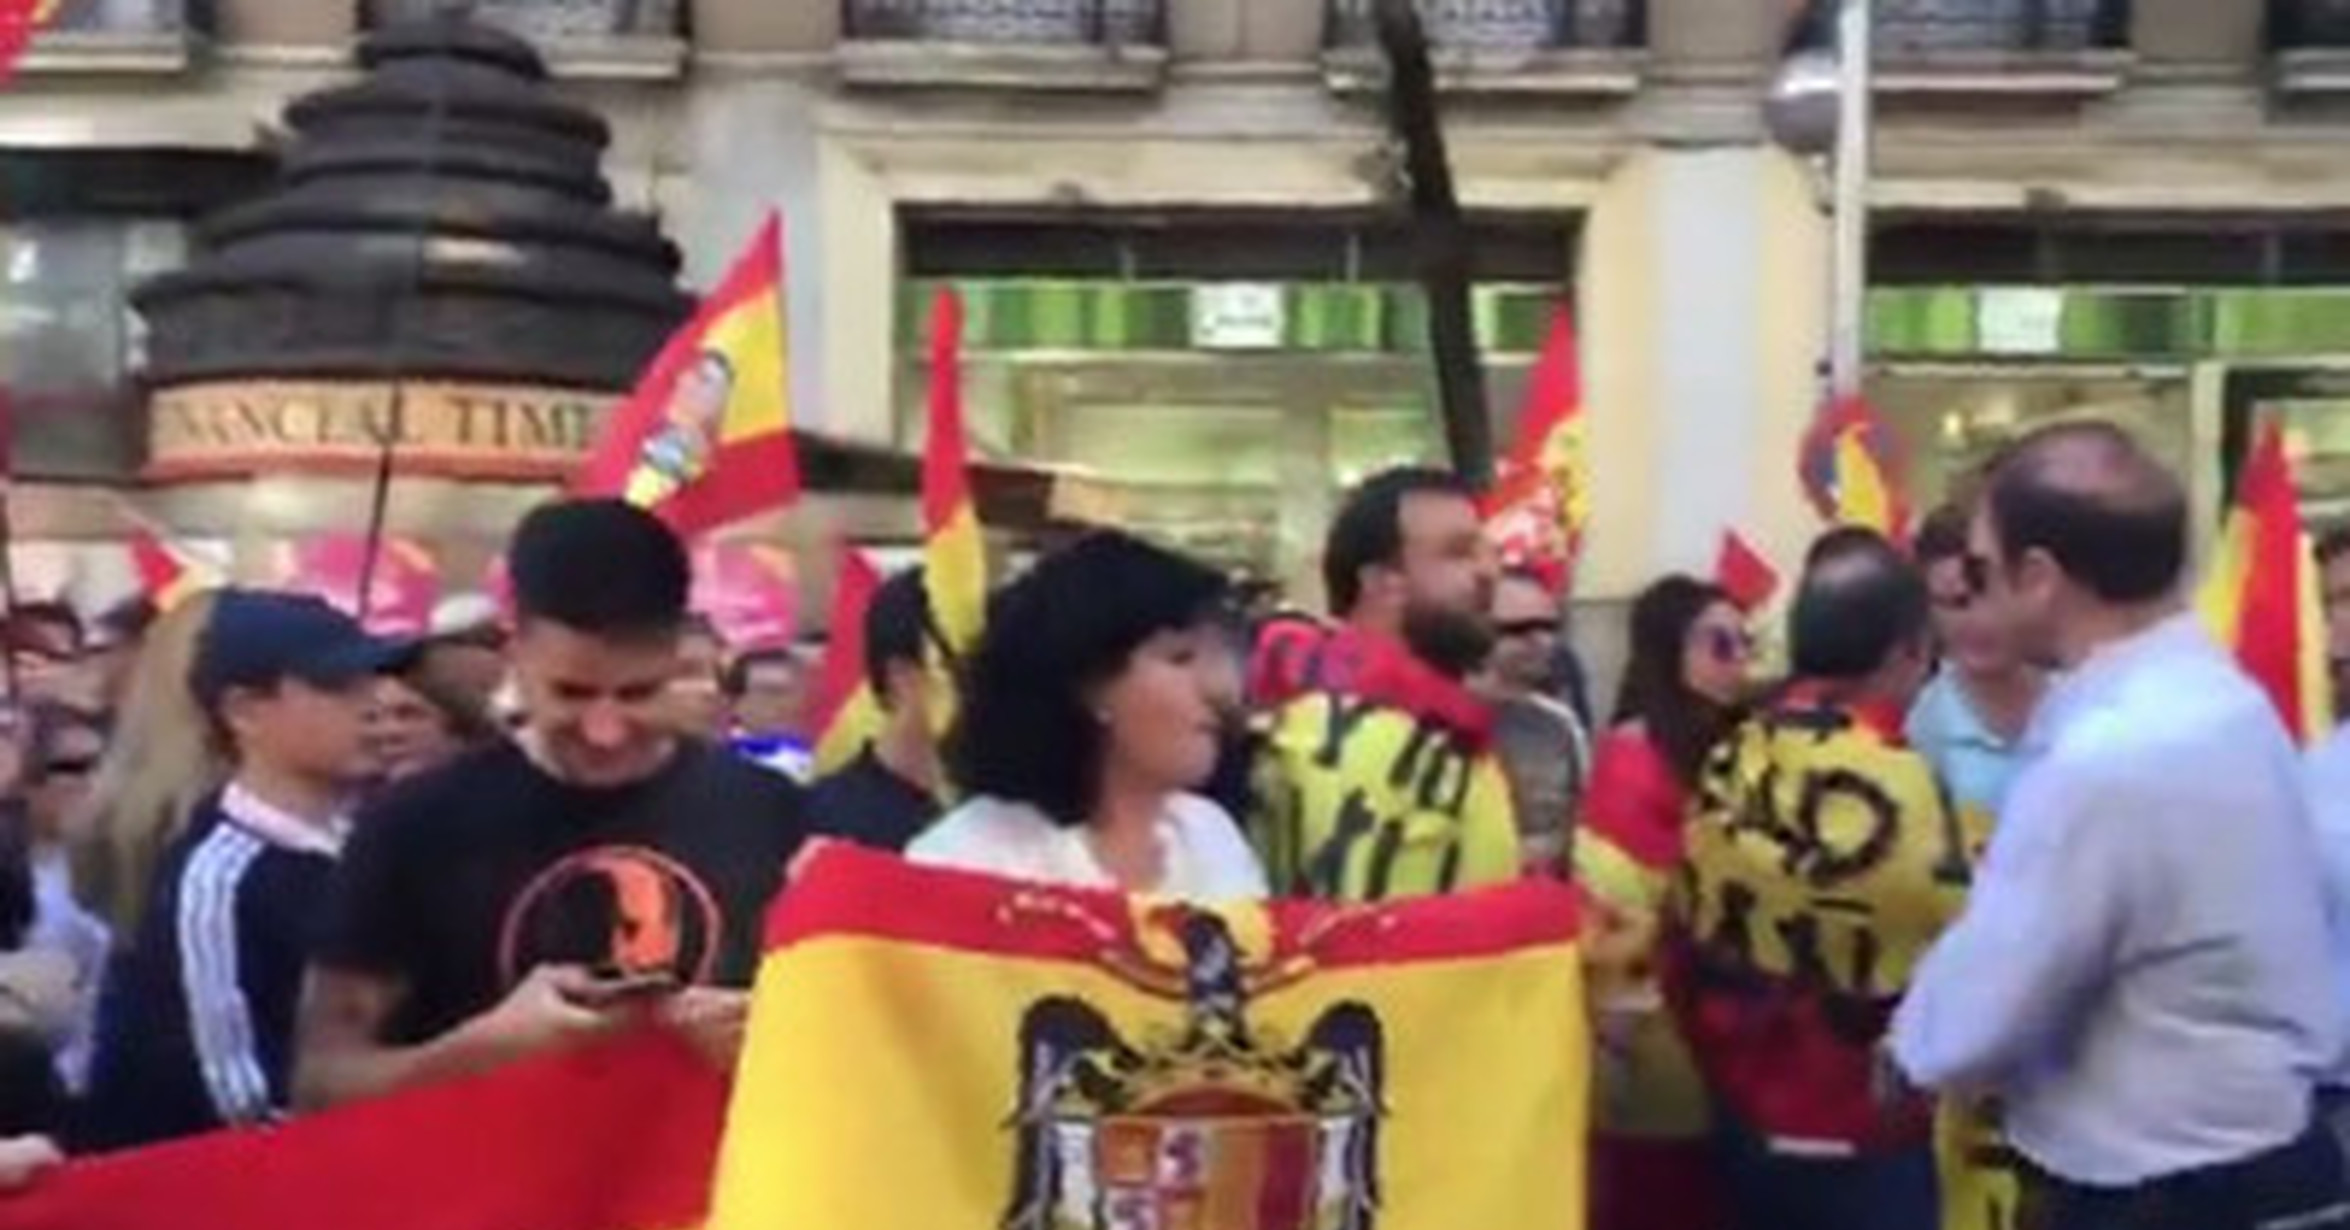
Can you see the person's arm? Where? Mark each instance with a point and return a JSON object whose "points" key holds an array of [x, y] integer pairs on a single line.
{"points": [[345, 1013], [2038, 934]]}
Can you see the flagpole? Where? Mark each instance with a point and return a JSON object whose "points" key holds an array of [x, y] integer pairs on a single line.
{"points": [[395, 367], [1855, 131]]}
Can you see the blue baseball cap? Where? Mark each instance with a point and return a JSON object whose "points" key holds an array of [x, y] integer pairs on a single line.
{"points": [[257, 638]]}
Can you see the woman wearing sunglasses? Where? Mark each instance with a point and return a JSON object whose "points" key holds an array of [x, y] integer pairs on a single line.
{"points": [[1682, 687]]}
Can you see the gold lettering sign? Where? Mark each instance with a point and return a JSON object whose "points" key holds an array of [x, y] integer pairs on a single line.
{"points": [[519, 433]]}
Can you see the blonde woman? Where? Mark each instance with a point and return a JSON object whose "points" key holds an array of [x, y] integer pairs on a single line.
{"points": [[160, 764]]}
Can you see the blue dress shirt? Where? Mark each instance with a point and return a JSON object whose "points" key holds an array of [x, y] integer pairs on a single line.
{"points": [[2143, 971]]}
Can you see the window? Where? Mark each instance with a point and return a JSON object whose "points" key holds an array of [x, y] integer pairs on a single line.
{"points": [[1503, 24], [1039, 22], [551, 21], [118, 17], [69, 339]]}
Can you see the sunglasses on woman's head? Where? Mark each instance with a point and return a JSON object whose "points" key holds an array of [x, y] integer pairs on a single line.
{"points": [[1728, 644]]}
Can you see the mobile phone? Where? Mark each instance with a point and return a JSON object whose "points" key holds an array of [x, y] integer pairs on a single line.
{"points": [[613, 988]]}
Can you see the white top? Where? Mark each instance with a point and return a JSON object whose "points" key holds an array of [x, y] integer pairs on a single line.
{"points": [[2144, 970], [1206, 857]]}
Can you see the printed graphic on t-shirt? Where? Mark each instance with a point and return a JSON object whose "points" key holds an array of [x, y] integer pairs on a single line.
{"points": [[621, 910]]}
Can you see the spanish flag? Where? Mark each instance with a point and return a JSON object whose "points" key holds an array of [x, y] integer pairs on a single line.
{"points": [[1851, 471], [706, 437], [931, 1050], [20, 24], [165, 578], [847, 715], [954, 557], [618, 1136], [1542, 497], [2261, 595]]}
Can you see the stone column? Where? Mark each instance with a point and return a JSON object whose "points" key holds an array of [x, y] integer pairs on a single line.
{"points": [[1206, 29], [274, 23], [2198, 33], [766, 26], [1280, 30]]}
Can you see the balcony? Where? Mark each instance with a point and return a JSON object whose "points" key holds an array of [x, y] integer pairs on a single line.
{"points": [[88, 37], [2312, 42], [604, 39], [2076, 47], [1588, 47], [1051, 45]]}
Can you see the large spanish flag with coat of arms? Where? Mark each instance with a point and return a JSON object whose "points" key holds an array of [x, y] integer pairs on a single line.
{"points": [[935, 1051]]}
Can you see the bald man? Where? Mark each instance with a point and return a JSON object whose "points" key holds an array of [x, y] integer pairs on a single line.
{"points": [[2142, 972]]}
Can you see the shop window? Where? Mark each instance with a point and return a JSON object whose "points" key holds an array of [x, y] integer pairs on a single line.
{"points": [[2129, 251], [1935, 27], [69, 340], [549, 21], [2309, 24]]}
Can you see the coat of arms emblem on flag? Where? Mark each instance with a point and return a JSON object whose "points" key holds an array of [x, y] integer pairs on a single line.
{"points": [[1216, 1123]]}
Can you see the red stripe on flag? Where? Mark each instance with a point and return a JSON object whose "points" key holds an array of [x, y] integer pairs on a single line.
{"points": [[843, 669], [621, 1136], [2268, 631], [946, 486], [20, 24], [844, 890], [1744, 574]]}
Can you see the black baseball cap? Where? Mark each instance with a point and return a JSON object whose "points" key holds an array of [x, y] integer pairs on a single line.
{"points": [[256, 638]]}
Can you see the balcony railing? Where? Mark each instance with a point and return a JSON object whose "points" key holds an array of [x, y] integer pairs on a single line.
{"points": [[1930, 27], [596, 38], [113, 36], [1032, 23], [1502, 25]]}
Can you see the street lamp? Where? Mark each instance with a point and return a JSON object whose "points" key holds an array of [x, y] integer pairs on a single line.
{"points": [[1821, 106]]}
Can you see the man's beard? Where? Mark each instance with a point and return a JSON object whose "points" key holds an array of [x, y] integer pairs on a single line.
{"points": [[1454, 643]]}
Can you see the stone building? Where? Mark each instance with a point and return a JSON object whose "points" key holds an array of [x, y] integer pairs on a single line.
{"points": [[1171, 220]]}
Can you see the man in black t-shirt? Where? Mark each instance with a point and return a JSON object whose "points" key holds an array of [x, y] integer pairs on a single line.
{"points": [[884, 798], [551, 888]]}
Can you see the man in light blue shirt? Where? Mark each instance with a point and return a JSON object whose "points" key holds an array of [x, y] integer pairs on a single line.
{"points": [[2142, 974]]}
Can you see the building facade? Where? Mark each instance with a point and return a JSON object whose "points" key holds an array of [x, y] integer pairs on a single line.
{"points": [[1175, 225]]}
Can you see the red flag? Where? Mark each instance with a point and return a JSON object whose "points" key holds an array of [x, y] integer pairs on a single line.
{"points": [[20, 23], [706, 437], [1744, 574], [2261, 595], [622, 1135], [1542, 496], [164, 577], [954, 559], [846, 712]]}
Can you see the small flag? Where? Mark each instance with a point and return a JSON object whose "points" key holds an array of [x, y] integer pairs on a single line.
{"points": [[1541, 499], [846, 713], [1744, 574], [2261, 597], [20, 24], [933, 1049], [706, 437], [1850, 469], [954, 557], [165, 577], [639, 1120]]}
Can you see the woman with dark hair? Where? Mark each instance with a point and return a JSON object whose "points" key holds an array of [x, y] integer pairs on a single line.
{"points": [[1088, 721], [1682, 687]]}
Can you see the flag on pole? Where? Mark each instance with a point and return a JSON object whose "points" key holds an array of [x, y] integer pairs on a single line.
{"points": [[165, 577], [20, 24], [934, 1049], [2261, 595], [1541, 498], [619, 1135], [1744, 573], [706, 437], [1850, 469], [954, 557], [846, 713]]}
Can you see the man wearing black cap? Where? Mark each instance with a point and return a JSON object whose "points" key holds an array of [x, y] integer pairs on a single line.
{"points": [[197, 1032], [600, 867]]}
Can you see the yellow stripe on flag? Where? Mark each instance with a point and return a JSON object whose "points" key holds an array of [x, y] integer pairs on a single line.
{"points": [[1861, 497], [932, 1050], [954, 556]]}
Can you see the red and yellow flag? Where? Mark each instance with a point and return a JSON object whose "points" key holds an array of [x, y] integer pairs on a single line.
{"points": [[2261, 595], [1541, 499], [846, 713], [706, 437], [954, 557], [1851, 469], [1744, 573], [619, 1136], [20, 24], [166, 579], [930, 1049]]}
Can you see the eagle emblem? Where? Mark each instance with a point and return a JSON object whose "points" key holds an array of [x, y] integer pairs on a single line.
{"points": [[1213, 1124]]}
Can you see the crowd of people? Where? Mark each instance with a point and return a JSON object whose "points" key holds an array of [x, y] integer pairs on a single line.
{"points": [[2008, 902]]}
